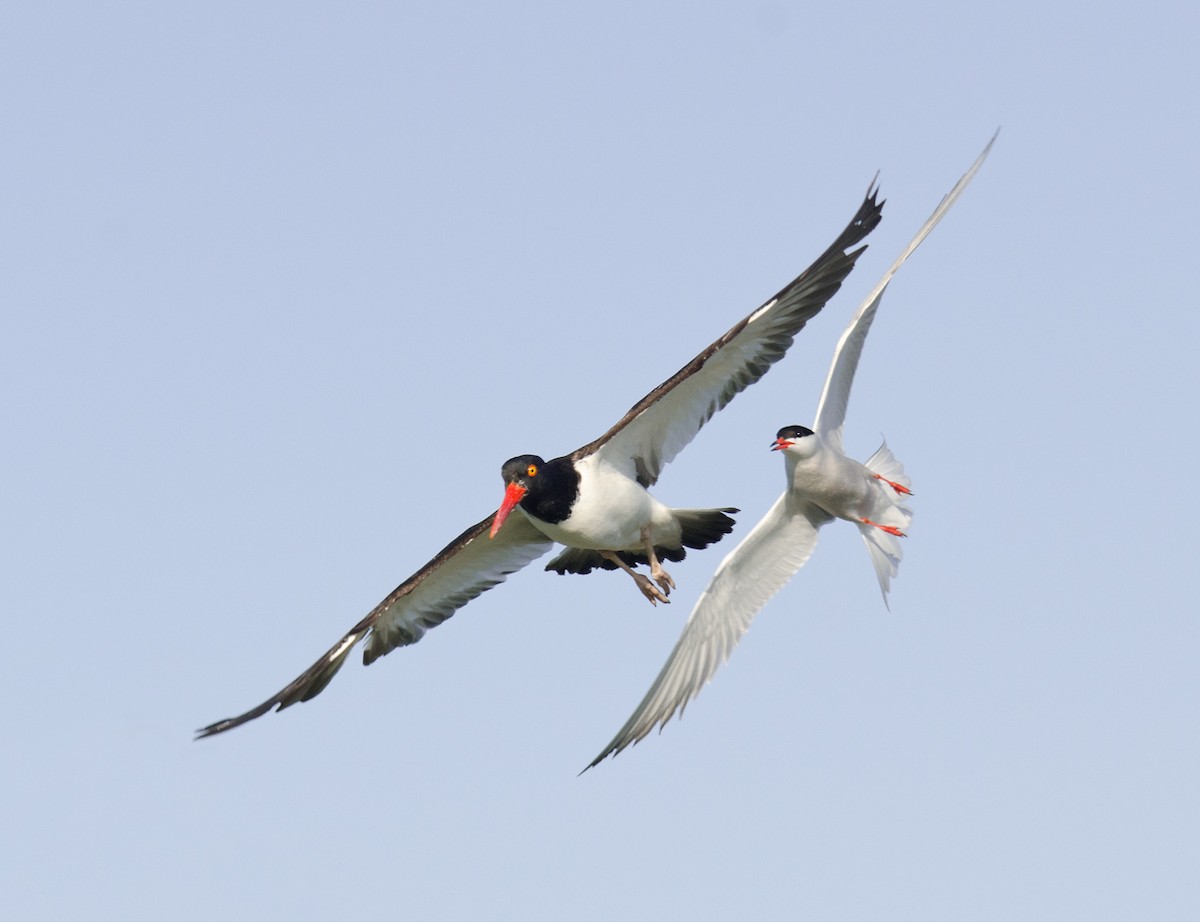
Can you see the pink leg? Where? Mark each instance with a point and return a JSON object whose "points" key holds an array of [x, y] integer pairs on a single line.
{"points": [[661, 576], [649, 590]]}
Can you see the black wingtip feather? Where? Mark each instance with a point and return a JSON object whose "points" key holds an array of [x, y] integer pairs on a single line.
{"points": [[865, 220], [304, 687]]}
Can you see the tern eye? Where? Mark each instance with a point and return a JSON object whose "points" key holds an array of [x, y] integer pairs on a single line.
{"points": [[531, 470]]}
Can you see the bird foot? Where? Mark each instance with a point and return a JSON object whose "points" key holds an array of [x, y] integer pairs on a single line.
{"points": [[663, 578], [890, 529], [898, 487], [649, 590]]}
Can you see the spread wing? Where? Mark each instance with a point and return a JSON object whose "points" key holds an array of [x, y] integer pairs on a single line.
{"points": [[835, 396], [467, 566], [778, 546], [754, 571], [658, 426]]}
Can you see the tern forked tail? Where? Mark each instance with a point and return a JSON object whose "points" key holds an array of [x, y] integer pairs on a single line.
{"points": [[885, 548]]}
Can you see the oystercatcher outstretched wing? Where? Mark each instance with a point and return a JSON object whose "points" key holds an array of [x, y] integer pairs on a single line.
{"points": [[595, 500]]}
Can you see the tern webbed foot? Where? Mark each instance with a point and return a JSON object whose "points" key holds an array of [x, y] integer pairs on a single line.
{"points": [[898, 487], [890, 529]]}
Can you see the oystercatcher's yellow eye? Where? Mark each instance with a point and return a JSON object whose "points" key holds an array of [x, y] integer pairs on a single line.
{"points": [[531, 470]]}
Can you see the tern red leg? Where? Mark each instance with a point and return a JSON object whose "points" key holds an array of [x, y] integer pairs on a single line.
{"points": [[898, 487], [890, 529]]}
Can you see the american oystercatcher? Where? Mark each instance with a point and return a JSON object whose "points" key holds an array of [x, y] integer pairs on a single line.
{"points": [[595, 500], [822, 484]]}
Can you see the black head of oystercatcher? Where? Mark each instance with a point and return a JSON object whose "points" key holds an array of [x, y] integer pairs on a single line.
{"points": [[545, 491]]}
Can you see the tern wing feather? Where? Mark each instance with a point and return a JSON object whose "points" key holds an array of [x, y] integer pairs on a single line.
{"points": [[777, 547], [835, 396]]}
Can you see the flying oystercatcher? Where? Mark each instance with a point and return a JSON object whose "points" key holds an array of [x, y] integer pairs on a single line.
{"points": [[595, 500], [822, 484]]}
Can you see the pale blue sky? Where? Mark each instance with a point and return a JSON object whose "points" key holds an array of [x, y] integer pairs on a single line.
{"points": [[285, 283]]}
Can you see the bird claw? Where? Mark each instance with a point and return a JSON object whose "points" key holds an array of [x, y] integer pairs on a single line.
{"points": [[650, 591], [663, 578]]}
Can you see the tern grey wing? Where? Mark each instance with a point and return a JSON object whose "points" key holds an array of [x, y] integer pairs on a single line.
{"points": [[777, 547], [835, 396]]}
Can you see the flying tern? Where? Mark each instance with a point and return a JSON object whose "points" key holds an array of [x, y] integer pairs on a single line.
{"points": [[823, 484]]}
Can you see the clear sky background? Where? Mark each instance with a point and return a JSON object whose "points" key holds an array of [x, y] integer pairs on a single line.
{"points": [[285, 283]]}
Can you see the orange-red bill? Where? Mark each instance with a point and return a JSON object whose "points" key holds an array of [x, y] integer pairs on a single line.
{"points": [[512, 496], [780, 444]]}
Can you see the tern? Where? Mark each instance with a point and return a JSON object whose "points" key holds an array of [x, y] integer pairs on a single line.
{"points": [[596, 500], [823, 484]]}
